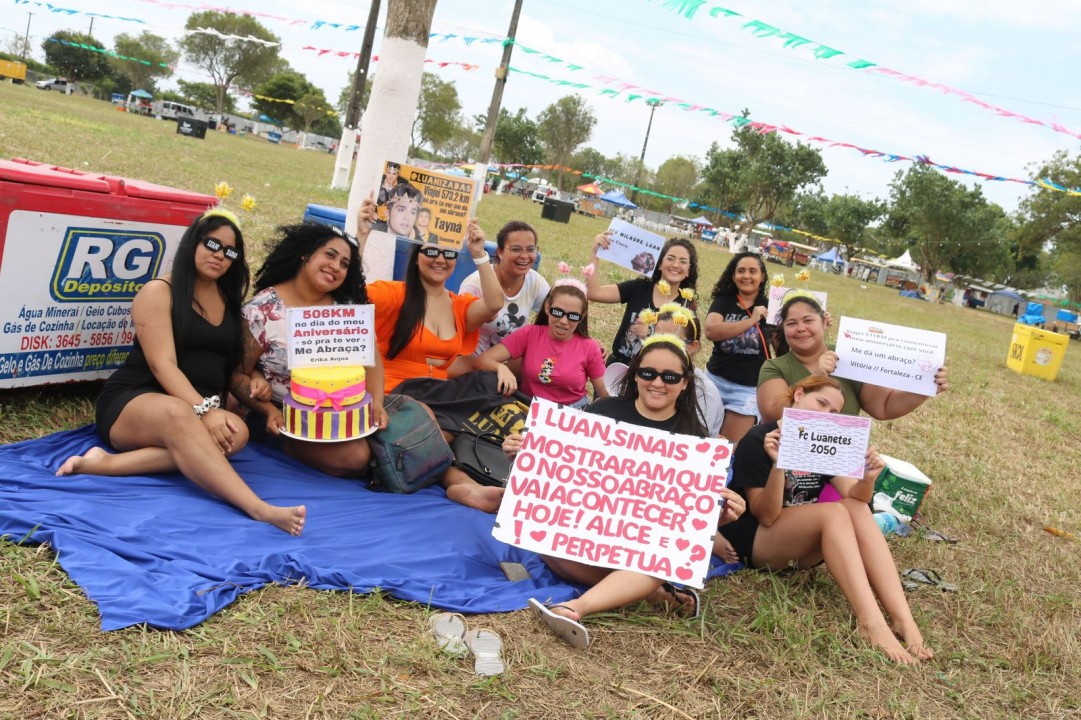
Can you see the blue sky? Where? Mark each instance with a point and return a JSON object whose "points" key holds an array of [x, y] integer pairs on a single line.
{"points": [[1010, 54]]}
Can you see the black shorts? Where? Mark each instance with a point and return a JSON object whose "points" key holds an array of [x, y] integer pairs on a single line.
{"points": [[741, 535]]}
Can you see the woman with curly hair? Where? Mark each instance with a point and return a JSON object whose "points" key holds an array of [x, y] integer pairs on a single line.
{"points": [[163, 410], [311, 264], [674, 279], [736, 324]]}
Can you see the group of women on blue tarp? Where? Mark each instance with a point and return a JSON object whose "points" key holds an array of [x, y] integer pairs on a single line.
{"points": [[197, 339]]}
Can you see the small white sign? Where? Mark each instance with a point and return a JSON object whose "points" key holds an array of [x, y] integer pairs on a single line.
{"points": [[893, 356], [776, 300], [332, 335], [609, 494], [632, 247], [826, 443]]}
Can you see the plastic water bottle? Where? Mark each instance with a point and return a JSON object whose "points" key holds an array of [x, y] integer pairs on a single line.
{"points": [[887, 523]]}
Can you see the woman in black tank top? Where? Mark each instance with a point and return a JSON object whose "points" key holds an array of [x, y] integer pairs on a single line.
{"points": [[163, 410]]}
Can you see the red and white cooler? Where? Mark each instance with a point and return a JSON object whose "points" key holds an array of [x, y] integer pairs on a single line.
{"points": [[75, 247]]}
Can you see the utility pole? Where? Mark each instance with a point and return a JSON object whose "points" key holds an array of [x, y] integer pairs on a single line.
{"points": [[653, 105], [347, 144], [91, 33], [480, 167], [26, 39]]}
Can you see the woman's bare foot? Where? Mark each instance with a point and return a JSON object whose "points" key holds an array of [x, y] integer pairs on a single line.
{"points": [[289, 519], [82, 463], [911, 636], [883, 638], [474, 495], [566, 611], [681, 601], [724, 550]]}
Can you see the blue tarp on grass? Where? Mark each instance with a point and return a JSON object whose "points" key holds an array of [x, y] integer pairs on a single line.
{"points": [[159, 550]]}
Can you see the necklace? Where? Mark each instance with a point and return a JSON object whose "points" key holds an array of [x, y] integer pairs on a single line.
{"points": [[757, 326]]}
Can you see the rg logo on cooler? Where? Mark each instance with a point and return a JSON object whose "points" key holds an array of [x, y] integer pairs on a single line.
{"points": [[98, 265]]}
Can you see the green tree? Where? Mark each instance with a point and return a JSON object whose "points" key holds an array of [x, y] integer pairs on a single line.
{"points": [[677, 176], [203, 95], [273, 95], [848, 218], [311, 106], [562, 127], [328, 124], [943, 222], [438, 115], [762, 173], [226, 60], [63, 52], [517, 139], [151, 53], [1049, 226]]}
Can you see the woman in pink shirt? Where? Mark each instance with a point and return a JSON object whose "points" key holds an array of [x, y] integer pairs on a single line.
{"points": [[557, 354]]}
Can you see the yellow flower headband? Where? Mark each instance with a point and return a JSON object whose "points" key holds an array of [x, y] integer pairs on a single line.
{"points": [[222, 212], [665, 338], [681, 315]]}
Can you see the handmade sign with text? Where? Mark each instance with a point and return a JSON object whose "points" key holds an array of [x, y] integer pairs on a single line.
{"points": [[332, 334], [825, 443], [892, 356], [632, 247], [615, 495]]}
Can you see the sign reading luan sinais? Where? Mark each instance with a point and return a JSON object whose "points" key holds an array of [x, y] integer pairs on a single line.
{"points": [[615, 495]]}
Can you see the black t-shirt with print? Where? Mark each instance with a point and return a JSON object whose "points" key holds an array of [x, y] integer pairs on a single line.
{"points": [[751, 467], [738, 359]]}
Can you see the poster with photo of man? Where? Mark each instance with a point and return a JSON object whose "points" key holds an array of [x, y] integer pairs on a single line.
{"points": [[424, 206]]}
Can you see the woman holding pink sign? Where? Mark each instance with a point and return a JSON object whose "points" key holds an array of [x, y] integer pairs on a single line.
{"points": [[804, 353], [788, 526], [658, 393]]}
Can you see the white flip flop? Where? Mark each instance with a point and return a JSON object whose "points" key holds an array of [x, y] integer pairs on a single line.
{"points": [[572, 632], [448, 629], [487, 649]]}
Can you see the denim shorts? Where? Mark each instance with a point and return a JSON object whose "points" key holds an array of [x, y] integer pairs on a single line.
{"points": [[740, 399]]}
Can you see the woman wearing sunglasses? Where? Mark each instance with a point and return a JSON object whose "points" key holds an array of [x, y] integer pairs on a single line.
{"points": [[657, 392], [310, 264], [788, 526], [674, 279], [163, 411], [421, 328], [557, 355]]}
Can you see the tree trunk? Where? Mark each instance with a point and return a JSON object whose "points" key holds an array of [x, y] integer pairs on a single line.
{"points": [[388, 117]]}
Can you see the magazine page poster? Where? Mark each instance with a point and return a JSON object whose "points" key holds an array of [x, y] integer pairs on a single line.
{"points": [[424, 206], [614, 495], [632, 247], [893, 356]]}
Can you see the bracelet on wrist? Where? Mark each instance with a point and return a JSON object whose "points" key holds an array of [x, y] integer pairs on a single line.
{"points": [[206, 405], [483, 260]]}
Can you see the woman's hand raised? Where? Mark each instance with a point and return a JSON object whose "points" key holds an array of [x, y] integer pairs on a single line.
{"points": [[474, 238]]}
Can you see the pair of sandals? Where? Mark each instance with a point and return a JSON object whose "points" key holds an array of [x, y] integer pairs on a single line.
{"points": [[450, 635], [912, 578], [575, 634]]}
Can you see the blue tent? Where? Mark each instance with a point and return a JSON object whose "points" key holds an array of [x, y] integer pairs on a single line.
{"points": [[833, 255], [616, 197]]}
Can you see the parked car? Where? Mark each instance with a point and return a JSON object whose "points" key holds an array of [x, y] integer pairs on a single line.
{"points": [[169, 110], [53, 84]]}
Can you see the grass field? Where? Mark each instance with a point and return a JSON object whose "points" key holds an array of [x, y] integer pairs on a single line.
{"points": [[1003, 449]]}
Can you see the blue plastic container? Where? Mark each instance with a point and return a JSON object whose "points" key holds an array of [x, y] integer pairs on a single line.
{"points": [[463, 269]]}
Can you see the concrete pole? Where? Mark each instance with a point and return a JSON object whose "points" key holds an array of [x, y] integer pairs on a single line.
{"points": [[348, 143]]}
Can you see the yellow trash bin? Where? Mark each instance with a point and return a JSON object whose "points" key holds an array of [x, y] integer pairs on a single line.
{"points": [[1036, 352]]}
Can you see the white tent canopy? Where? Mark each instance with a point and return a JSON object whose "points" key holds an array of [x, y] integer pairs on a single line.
{"points": [[905, 261]]}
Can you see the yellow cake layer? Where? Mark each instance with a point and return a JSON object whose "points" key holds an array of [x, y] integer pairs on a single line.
{"points": [[308, 384]]}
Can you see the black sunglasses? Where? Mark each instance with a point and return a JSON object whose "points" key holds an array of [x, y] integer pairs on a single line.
{"points": [[434, 252], [559, 312], [667, 377], [343, 235], [213, 246]]}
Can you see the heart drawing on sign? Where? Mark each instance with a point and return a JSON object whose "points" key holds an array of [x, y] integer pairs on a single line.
{"points": [[538, 535], [682, 544], [684, 574], [702, 446], [699, 524]]}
